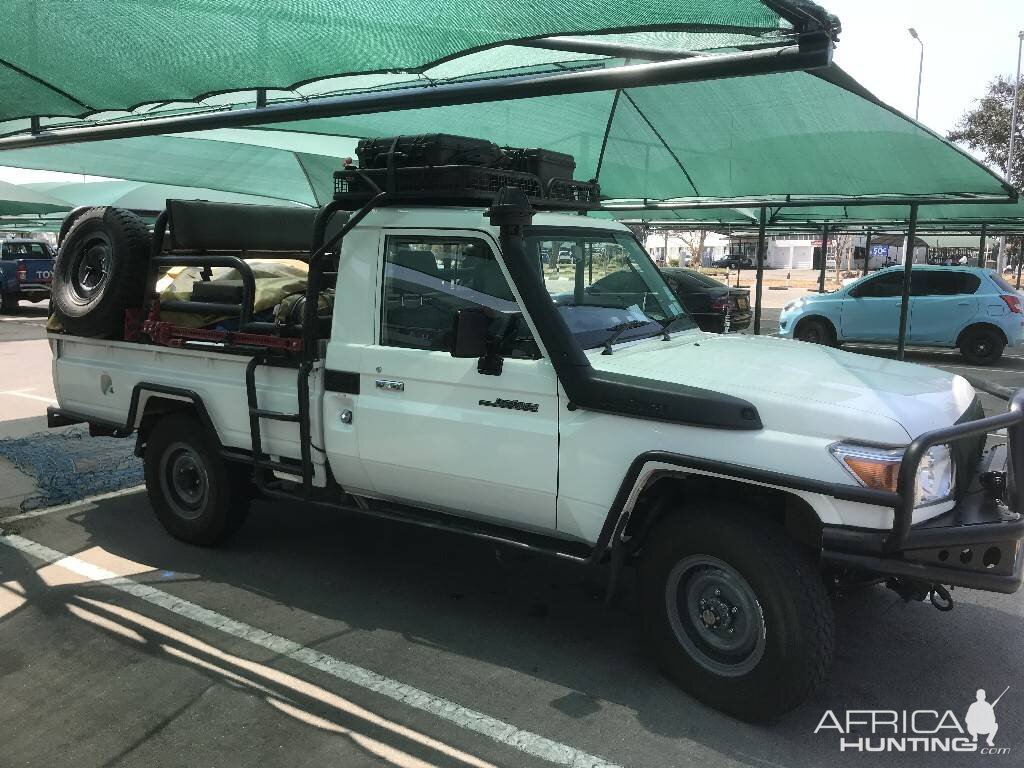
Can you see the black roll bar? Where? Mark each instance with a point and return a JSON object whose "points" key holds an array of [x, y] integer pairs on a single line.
{"points": [[244, 310]]}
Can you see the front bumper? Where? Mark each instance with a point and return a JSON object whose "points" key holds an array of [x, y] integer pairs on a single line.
{"points": [[977, 544]]}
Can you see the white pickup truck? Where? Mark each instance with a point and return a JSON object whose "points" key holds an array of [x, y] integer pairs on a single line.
{"points": [[460, 383]]}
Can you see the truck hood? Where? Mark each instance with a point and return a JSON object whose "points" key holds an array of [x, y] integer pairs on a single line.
{"points": [[800, 387]]}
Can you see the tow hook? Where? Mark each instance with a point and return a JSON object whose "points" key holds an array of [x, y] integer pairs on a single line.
{"points": [[912, 590], [994, 483]]}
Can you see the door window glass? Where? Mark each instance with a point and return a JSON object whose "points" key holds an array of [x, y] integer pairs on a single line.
{"points": [[952, 283], [884, 286], [428, 280]]}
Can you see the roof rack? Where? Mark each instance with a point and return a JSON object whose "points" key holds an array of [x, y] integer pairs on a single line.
{"points": [[440, 169]]}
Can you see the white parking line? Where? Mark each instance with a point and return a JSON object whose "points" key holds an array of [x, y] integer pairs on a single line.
{"points": [[471, 720], [25, 393]]}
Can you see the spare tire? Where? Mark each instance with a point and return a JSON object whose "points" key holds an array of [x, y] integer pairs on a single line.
{"points": [[100, 272], [69, 221]]}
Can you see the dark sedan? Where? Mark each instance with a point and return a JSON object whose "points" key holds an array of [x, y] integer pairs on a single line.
{"points": [[734, 261], [708, 301]]}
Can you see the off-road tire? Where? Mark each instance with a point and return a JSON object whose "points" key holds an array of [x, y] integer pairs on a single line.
{"points": [[179, 445], [982, 346], [815, 331], [797, 625], [100, 272]]}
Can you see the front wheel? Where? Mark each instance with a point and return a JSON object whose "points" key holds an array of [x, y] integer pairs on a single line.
{"points": [[197, 496], [815, 332], [982, 346], [736, 612]]}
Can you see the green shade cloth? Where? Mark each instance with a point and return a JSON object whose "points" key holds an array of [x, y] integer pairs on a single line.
{"points": [[793, 133], [72, 57], [139, 196], [16, 199], [237, 166], [998, 217], [798, 134]]}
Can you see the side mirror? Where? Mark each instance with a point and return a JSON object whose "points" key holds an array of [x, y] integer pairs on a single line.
{"points": [[469, 336]]}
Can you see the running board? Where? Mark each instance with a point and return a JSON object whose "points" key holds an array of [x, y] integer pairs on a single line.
{"points": [[525, 540]]}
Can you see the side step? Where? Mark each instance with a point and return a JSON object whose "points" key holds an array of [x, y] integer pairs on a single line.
{"points": [[425, 518]]}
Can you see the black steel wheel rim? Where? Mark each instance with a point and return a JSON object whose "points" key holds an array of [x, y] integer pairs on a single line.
{"points": [[91, 266], [184, 481], [715, 615], [981, 346], [811, 333]]}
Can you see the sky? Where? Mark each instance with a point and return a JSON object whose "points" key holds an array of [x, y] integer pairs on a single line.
{"points": [[966, 44]]}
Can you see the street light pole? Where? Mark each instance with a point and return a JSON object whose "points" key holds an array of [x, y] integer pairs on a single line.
{"points": [[920, 71], [1013, 109], [1001, 261]]}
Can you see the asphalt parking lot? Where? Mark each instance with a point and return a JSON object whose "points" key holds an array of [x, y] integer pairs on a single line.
{"points": [[315, 638]]}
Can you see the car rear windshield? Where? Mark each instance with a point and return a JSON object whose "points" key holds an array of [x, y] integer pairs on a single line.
{"points": [[696, 280], [1003, 284]]}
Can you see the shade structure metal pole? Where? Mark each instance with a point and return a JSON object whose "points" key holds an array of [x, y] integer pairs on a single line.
{"points": [[908, 267], [867, 252], [981, 246], [762, 254], [811, 53], [824, 258]]}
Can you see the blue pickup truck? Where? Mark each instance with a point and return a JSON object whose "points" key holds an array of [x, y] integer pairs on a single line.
{"points": [[26, 269]]}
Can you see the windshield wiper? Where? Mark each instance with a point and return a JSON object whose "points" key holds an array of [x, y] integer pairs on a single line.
{"points": [[622, 328], [667, 323]]}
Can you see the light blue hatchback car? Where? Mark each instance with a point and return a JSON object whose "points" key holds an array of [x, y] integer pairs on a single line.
{"points": [[974, 310]]}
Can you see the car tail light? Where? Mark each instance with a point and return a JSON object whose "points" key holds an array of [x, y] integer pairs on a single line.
{"points": [[1013, 302], [721, 304], [22, 272]]}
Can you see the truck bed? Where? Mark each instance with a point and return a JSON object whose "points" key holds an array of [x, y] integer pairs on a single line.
{"points": [[97, 379]]}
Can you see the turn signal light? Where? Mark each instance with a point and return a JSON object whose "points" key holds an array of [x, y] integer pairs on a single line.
{"points": [[873, 473], [1013, 302]]}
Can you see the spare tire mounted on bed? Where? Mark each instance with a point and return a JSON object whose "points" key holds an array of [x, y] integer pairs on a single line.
{"points": [[100, 272]]}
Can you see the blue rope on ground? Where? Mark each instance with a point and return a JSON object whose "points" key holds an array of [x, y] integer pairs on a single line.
{"points": [[68, 466]]}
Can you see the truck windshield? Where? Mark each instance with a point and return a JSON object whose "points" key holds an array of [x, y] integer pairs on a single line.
{"points": [[605, 285]]}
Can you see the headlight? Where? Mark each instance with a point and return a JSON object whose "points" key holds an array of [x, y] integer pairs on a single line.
{"points": [[879, 468], [936, 478], [789, 306]]}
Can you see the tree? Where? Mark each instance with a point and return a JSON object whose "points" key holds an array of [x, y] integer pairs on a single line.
{"points": [[986, 129], [694, 242]]}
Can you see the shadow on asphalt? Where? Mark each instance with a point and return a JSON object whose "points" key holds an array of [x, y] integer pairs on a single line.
{"points": [[547, 619]]}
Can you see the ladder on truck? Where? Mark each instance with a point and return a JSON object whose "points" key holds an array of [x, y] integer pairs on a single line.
{"points": [[262, 463]]}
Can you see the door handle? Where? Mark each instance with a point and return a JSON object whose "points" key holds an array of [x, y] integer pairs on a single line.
{"points": [[390, 385]]}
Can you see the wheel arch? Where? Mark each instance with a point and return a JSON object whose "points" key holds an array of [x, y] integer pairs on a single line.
{"points": [[668, 492], [151, 402], [980, 324]]}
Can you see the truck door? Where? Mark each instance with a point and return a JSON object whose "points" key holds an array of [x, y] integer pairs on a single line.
{"points": [[431, 429]]}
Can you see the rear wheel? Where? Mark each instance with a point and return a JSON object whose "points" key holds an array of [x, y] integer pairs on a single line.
{"points": [[816, 331], [197, 496], [982, 346], [736, 612]]}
